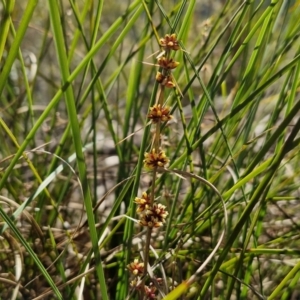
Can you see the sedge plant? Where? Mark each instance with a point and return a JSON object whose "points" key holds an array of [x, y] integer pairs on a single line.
{"points": [[127, 173]]}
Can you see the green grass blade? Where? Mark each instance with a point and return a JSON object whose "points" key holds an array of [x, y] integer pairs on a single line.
{"points": [[70, 101]]}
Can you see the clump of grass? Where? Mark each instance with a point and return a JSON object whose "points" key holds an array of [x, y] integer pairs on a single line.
{"points": [[74, 93]]}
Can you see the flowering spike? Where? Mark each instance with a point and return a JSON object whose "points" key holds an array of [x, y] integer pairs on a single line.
{"points": [[153, 214]]}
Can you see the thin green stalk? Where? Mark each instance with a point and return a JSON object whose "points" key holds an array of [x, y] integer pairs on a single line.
{"points": [[276, 293], [70, 102], [5, 24], [13, 51], [251, 33]]}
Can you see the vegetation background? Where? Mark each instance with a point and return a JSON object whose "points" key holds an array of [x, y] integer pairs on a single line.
{"points": [[76, 81]]}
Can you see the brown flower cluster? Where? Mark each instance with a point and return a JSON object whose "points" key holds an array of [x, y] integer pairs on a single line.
{"points": [[165, 78], [155, 159], [150, 291], [143, 203], [136, 268], [151, 215], [154, 216], [159, 114], [167, 63], [169, 42]]}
